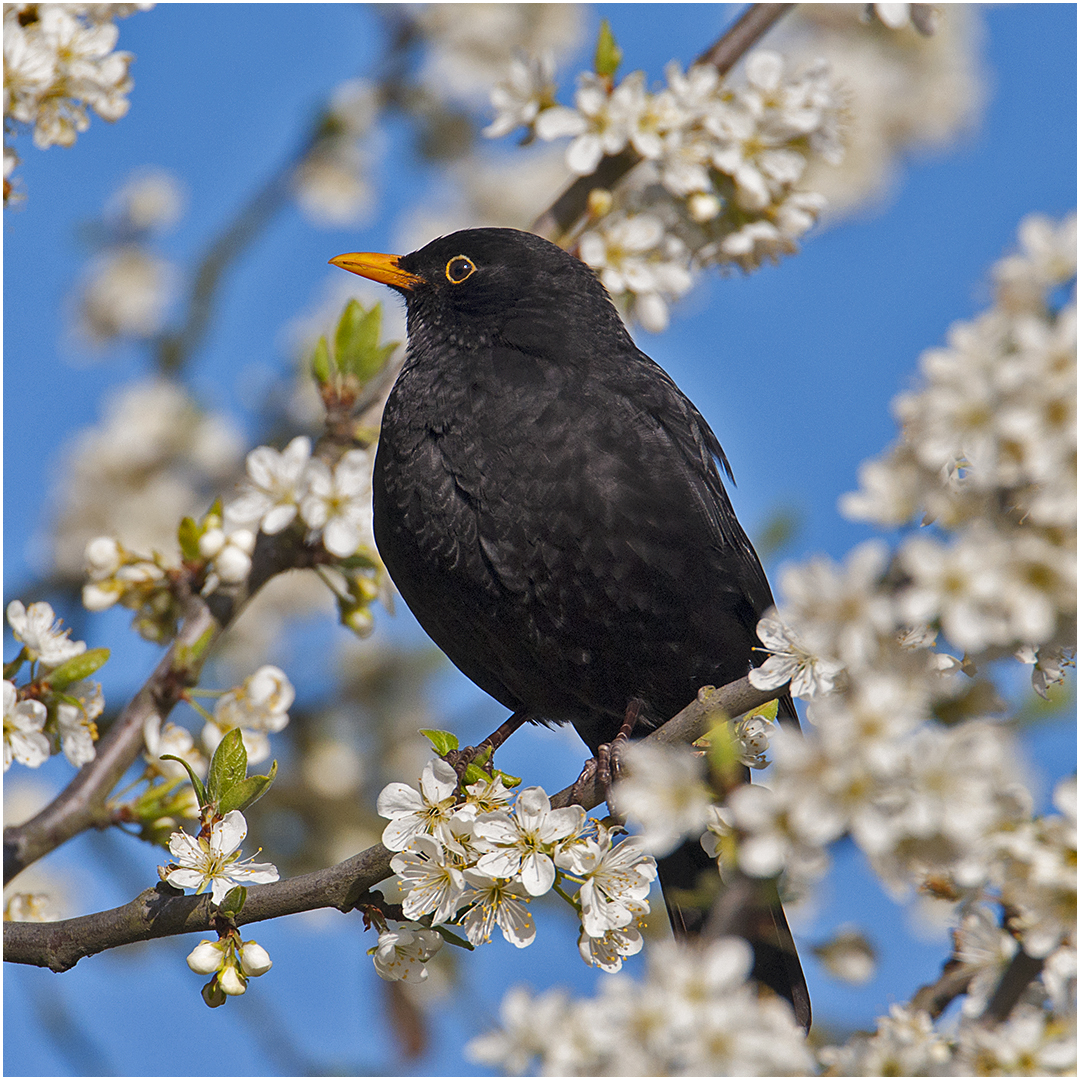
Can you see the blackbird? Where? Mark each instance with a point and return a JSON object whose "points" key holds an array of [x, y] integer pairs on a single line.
{"points": [[550, 506]]}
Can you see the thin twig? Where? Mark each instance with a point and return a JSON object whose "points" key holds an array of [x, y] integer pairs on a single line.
{"points": [[160, 912], [559, 219]]}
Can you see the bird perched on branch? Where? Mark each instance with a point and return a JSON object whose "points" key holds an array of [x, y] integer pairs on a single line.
{"points": [[550, 506]]}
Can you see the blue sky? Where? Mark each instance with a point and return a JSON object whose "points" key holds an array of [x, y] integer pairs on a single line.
{"points": [[794, 367]]}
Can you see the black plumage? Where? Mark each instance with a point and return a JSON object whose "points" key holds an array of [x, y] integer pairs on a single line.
{"points": [[550, 504]]}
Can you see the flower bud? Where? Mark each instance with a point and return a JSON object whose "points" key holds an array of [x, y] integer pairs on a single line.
{"points": [[212, 994], [254, 959], [703, 206], [206, 957], [211, 542], [359, 620], [232, 565], [102, 556], [231, 981], [600, 202], [97, 597]]}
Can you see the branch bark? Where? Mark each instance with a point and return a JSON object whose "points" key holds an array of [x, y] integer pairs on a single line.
{"points": [[559, 219], [162, 912]]}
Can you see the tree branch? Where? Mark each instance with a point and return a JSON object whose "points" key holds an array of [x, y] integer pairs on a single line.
{"points": [[558, 220], [161, 912], [1022, 970]]}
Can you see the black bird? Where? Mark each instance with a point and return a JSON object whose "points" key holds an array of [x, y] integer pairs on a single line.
{"points": [[549, 504]]}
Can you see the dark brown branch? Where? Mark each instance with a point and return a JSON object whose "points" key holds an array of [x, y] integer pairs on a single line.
{"points": [[934, 998], [1022, 970], [160, 912], [559, 219]]}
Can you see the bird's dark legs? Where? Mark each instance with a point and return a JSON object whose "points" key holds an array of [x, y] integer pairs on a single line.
{"points": [[461, 759], [605, 766]]}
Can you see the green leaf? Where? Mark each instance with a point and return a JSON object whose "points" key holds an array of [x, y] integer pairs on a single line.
{"points": [[452, 939], [356, 343], [228, 766], [234, 901], [188, 655], [78, 667], [442, 741], [188, 535], [608, 53], [768, 710], [196, 783], [320, 362], [475, 772], [240, 796]]}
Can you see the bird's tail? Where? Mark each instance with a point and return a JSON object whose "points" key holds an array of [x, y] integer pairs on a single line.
{"points": [[701, 906], [698, 909]]}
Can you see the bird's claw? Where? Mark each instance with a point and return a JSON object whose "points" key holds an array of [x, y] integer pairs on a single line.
{"points": [[602, 770]]}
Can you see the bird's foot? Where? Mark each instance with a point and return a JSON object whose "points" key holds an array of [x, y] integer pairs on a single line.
{"points": [[583, 785], [604, 768]]}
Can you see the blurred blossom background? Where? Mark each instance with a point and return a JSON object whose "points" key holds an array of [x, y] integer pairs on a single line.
{"points": [[166, 280]]}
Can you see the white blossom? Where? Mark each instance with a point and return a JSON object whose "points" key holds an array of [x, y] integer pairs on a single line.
{"points": [[497, 902], [414, 813], [434, 885], [404, 952], [75, 721], [258, 706], [608, 950], [213, 862], [790, 661], [663, 791], [518, 99], [338, 502], [522, 844], [270, 496], [616, 880], [38, 628], [23, 723], [126, 293]]}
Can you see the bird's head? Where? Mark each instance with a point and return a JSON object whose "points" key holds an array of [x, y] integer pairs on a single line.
{"points": [[489, 285]]}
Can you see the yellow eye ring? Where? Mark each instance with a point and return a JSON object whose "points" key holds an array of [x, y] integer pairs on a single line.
{"points": [[460, 268]]}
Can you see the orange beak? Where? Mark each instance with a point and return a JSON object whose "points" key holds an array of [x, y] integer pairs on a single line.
{"points": [[384, 268]]}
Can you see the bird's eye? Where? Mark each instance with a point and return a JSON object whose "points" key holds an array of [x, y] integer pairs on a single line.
{"points": [[459, 268]]}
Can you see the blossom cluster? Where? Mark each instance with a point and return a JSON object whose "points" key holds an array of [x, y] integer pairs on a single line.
{"points": [[57, 708], [59, 60], [476, 859], [916, 86], [1028, 1043], [988, 455], [722, 166], [230, 962], [333, 501], [127, 287], [694, 1014]]}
